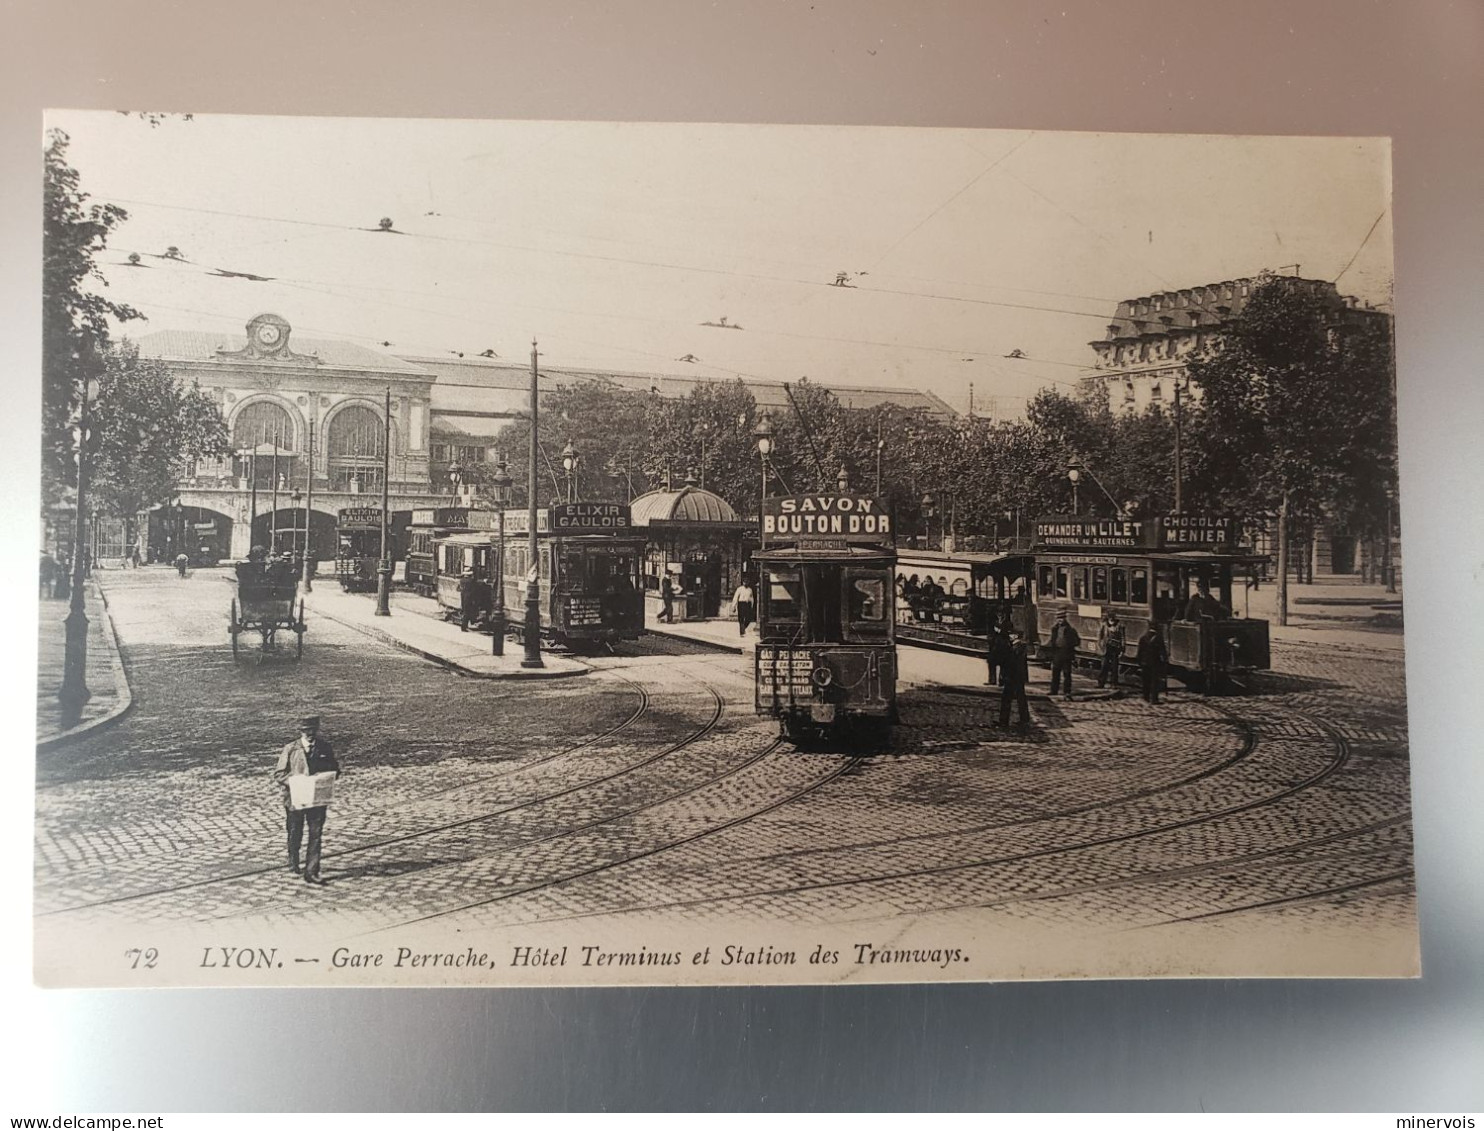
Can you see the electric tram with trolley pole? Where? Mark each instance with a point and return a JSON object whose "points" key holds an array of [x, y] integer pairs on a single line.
{"points": [[588, 560], [826, 662], [429, 524], [358, 548], [1178, 572]]}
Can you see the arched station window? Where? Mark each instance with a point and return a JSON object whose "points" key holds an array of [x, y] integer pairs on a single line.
{"points": [[259, 429], [354, 447]]}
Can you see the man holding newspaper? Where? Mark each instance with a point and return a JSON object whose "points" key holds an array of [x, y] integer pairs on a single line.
{"points": [[307, 771]]}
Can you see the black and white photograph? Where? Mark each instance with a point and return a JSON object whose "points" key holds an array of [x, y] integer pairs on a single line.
{"points": [[531, 553]]}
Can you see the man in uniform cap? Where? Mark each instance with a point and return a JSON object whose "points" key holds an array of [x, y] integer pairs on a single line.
{"points": [[307, 754], [1063, 645]]}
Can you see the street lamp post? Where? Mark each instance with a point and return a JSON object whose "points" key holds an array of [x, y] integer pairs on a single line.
{"points": [[880, 447], [500, 488], [929, 508], [308, 563], [1074, 473], [763, 434], [296, 498], [570, 460], [456, 478], [532, 632]]}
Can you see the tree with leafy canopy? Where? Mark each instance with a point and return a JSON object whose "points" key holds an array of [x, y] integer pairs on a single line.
{"points": [[1297, 409], [148, 431], [74, 319]]}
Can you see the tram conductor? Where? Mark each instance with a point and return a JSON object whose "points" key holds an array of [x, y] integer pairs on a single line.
{"points": [[307, 754], [1014, 671]]}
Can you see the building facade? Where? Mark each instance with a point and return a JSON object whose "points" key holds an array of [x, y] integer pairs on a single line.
{"points": [[1143, 362]]}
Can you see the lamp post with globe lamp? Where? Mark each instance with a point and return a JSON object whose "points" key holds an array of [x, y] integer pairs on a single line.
{"points": [[763, 435], [500, 491]]}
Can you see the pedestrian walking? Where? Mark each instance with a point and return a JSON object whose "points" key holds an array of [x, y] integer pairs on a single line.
{"points": [[1063, 644], [1151, 656], [48, 574], [308, 754], [1014, 672], [134, 557], [746, 606], [667, 600], [1111, 640]]}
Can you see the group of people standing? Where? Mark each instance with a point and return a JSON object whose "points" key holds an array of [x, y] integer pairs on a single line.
{"points": [[1007, 656]]}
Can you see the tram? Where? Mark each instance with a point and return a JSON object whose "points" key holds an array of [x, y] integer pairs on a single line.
{"points": [[587, 566], [969, 592], [419, 572], [1174, 571], [357, 548], [826, 662]]}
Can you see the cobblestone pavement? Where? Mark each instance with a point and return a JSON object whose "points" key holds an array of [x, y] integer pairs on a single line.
{"points": [[651, 791]]}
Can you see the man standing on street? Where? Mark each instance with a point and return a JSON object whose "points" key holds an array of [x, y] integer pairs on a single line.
{"points": [[667, 600], [307, 754], [1151, 656], [1063, 644], [1013, 675], [746, 606], [1110, 648]]}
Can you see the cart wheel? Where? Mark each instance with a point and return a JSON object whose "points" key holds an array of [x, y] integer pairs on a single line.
{"points": [[233, 628]]}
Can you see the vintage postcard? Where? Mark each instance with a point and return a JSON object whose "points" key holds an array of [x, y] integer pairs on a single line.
{"points": [[542, 553]]}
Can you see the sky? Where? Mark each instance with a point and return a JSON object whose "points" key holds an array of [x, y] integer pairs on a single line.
{"points": [[613, 244]]}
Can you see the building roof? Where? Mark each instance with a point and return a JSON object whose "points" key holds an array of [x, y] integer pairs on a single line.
{"points": [[690, 505], [205, 345], [462, 380]]}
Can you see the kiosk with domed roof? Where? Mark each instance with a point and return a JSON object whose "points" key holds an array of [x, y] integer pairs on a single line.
{"points": [[696, 537]]}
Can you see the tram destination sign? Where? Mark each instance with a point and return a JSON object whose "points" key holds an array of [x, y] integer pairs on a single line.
{"points": [[816, 519], [589, 518]]}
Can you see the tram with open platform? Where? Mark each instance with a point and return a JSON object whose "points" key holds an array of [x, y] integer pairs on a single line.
{"points": [[587, 566], [826, 662], [428, 525], [1181, 572], [358, 548]]}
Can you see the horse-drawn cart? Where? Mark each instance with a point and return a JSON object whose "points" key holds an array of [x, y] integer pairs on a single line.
{"points": [[265, 603]]}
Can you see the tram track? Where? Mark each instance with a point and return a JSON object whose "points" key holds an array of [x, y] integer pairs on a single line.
{"points": [[718, 705], [1246, 745], [1341, 754]]}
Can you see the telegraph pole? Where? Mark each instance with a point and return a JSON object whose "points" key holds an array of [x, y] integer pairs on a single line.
{"points": [[74, 690], [1178, 422], [309, 512], [384, 569], [533, 577]]}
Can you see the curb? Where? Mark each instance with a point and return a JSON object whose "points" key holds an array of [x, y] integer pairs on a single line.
{"points": [[444, 661], [985, 692], [123, 692]]}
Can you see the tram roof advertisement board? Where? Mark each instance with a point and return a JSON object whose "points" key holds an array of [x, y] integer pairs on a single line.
{"points": [[440, 516], [1198, 532], [1088, 530], [827, 518], [360, 516], [589, 518]]}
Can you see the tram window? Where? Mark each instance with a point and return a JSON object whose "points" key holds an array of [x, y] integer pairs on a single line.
{"points": [[545, 561], [1045, 586], [867, 599], [1061, 581], [1120, 586], [1138, 587], [783, 592], [958, 587], [1099, 583], [1079, 585]]}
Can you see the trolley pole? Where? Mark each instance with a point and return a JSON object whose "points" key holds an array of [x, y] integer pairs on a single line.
{"points": [[384, 568], [74, 690], [308, 513], [533, 576]]}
